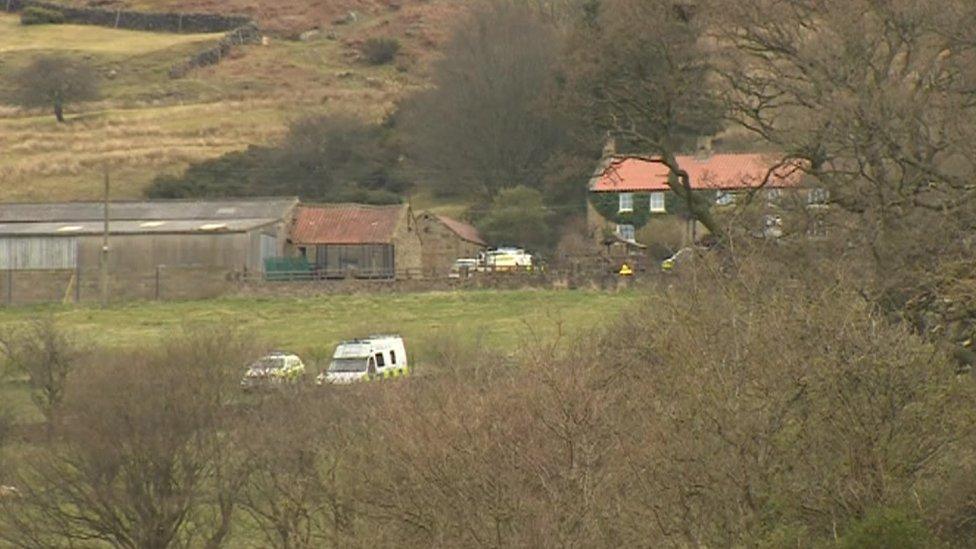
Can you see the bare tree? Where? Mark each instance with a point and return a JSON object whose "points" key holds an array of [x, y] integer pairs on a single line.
{"points": [[298, 494], [47, 355], [876, 98], [54, 81], [140, 461], [638, 71]]}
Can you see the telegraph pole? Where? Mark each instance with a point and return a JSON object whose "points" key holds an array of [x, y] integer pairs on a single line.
{"points": [[104, 254]]}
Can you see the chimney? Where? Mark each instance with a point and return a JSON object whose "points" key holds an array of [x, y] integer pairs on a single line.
{"points": [[703, 148], [610, 147]]}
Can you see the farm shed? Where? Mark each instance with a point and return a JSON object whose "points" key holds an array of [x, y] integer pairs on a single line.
{"points": [[445, 240], [220, 237], [358, 241]]}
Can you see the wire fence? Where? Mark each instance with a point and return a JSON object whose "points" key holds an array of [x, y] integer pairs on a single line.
{"points": [[188, 282], [22, 287]]}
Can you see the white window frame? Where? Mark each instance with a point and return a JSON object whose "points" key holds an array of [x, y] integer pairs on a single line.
{"points": [[630, 229], [625, 202], [724, 198], [657, 202], [818, 196]]}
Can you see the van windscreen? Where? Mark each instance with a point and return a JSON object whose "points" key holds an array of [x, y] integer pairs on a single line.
{"points": [[348, 365]]}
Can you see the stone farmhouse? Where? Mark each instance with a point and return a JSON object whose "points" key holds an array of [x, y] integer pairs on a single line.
{"points": [[626, 191]]}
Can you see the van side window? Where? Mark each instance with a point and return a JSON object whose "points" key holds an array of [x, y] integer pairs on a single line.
{"points": [[392, 357], [379, 360]]}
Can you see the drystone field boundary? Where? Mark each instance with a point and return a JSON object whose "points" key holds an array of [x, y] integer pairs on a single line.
{"points": [[238, 29]]}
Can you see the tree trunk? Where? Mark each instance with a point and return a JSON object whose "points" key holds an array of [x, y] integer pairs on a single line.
{"points": [[59, 111], [698, 208]]}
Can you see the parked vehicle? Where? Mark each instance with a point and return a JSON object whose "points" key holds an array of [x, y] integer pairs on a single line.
{"points": [[464, 268], [374, 357], [506, 259], [275, 368]]}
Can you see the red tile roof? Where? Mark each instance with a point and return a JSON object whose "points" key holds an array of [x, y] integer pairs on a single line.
{"points": [[346, 224], [465, 231], [727, 172]]}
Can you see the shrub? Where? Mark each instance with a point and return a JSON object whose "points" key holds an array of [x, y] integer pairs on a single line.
{"points": [[34, 15], [380, 51], [887, 528], [323, 158], [7, 420], [518, 217]]}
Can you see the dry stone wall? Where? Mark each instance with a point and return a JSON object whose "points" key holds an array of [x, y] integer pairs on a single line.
{"points": [[240, 30], [247, 34], [136, 20]]}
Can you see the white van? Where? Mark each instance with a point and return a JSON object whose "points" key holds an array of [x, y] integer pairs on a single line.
{"points": [[375, 357], [506, 259]]}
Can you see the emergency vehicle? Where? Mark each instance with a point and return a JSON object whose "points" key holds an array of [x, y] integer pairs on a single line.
{"points": [[374, 357], [275, 368], [506, 259]]}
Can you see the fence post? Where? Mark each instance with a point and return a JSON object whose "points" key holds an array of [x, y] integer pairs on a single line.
{"points": [[77, 281], [157, 282], [10, 286]]}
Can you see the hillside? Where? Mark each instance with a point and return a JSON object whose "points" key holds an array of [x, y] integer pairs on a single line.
{"points": [[148, 123]]}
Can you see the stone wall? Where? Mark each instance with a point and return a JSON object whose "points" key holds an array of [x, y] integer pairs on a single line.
{"points": [[135, 20], [246, 34], [442, 246], [239, 29], [606, 282], [407, 246]]}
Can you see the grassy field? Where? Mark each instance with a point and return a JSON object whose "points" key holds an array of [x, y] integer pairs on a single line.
{"points": [[312, 327], [88, 39], [148, 123]]}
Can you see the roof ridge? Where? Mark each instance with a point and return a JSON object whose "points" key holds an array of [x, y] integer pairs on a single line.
{"points": [[157, 201], [323, 205]]}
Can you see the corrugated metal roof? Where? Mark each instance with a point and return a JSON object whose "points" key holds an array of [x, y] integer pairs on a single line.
{"points": [[146, 210], [182, 226], [346, 224], [465, 231], [726, 172]]}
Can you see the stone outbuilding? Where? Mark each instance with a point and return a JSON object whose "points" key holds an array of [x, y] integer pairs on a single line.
{"points": [[446, 240], [358, 241]]}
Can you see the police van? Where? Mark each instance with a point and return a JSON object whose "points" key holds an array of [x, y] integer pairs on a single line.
{"points": [[374, 357]]}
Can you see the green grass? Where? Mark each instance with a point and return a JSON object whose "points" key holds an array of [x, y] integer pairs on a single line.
{"points": [[313, 326], [15, 37], [310, 324]]}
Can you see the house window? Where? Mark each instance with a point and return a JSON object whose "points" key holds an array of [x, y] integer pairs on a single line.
{"points": [[626, 232], [817, 196], [817, 228], [392, 357], [379, 360], [657, 203], [626, 202], [723, 198]]}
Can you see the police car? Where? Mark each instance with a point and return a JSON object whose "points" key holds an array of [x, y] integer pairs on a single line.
{"points": [[275, 368]]}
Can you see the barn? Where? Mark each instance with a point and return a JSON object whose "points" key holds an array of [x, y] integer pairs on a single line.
{"points": [[446, 240], [358, 241], [60, 244]]}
